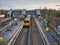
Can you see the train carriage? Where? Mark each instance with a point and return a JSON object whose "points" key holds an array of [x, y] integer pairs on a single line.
{"points": [[27, 22]]}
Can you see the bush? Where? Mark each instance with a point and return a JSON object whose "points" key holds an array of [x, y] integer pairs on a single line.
{"points": [[57, 14]]}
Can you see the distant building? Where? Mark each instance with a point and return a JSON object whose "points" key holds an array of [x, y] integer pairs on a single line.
{"points": [[16, 13], [32, 12], [38, 12], [9, 13], [23, 12], [12, 13]]}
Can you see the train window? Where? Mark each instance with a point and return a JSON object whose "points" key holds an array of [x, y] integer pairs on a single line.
{"points": [[27, 21], [24, 21]]}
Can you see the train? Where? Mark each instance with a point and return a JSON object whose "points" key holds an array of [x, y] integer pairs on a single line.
{"points": [[27, 22]]}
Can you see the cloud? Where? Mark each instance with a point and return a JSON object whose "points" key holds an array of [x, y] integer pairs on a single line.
{"points": [[27, 4]]}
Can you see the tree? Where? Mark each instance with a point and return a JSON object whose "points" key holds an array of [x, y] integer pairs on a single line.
{"points": [[57, 14]]}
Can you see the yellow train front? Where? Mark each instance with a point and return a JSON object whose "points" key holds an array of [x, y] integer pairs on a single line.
{"points": [[27, 22]]}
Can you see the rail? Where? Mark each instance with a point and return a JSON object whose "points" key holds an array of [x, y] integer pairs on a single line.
{"points": [[5, 20], [4, 29], [40, 30], [14, 37]]}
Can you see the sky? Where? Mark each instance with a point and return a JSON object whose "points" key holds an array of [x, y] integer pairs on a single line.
{"points": [[29, 4]]}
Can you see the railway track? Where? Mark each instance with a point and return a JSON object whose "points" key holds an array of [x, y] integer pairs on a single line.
{"points": [[30, 36], [21, 40], [3, 24], [7, 25], [35, 35]]}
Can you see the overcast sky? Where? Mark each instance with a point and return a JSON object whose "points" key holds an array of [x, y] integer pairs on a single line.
{"points": [[28, 4]]}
